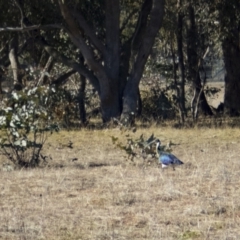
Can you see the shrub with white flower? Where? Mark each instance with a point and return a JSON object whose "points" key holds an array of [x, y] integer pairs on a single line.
{"points": [[25, 124]]}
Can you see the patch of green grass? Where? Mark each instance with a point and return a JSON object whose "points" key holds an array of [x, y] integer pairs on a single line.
{"points": [[187, 235]]}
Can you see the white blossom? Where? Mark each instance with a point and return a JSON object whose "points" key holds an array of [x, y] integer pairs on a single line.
{"points": [[15, 96], [2, 120]]}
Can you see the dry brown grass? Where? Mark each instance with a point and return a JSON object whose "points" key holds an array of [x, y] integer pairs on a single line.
{"points": [[101, 196]]}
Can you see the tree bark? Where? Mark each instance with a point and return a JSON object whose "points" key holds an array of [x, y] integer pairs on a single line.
{"points": [[231, 54], [81, 99], [193, 65], [181, 66], [130, 96], [230, 28], [112, 45], [110, 91], [176, 85], [13, 49]]}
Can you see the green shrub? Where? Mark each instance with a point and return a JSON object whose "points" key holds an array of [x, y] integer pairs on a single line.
{"points": [[139, 147], [25, 123]]}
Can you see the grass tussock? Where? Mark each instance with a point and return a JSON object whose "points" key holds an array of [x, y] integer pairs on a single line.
{"points": [[90, 191]]}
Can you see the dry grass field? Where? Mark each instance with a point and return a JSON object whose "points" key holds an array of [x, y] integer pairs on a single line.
{"points": [[91, 191]]}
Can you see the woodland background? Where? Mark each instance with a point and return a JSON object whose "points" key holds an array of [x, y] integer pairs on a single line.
{"points": [[124, 59]]}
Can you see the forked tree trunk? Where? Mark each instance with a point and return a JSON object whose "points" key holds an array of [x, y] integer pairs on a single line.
{"points": [[118, 95], [130, 95]]}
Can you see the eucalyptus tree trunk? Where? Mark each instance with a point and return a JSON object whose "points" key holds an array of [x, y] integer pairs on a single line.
{"points": [[181, 66], [13, 49], [81, 99], [231, 54], [110, 88], [230, 27], [199, 98], [144, 43], [107, 75]]}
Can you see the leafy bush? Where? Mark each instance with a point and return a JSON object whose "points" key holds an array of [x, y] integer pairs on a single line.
{"points": [[139, 147], [64, 108], [25, 123]]}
